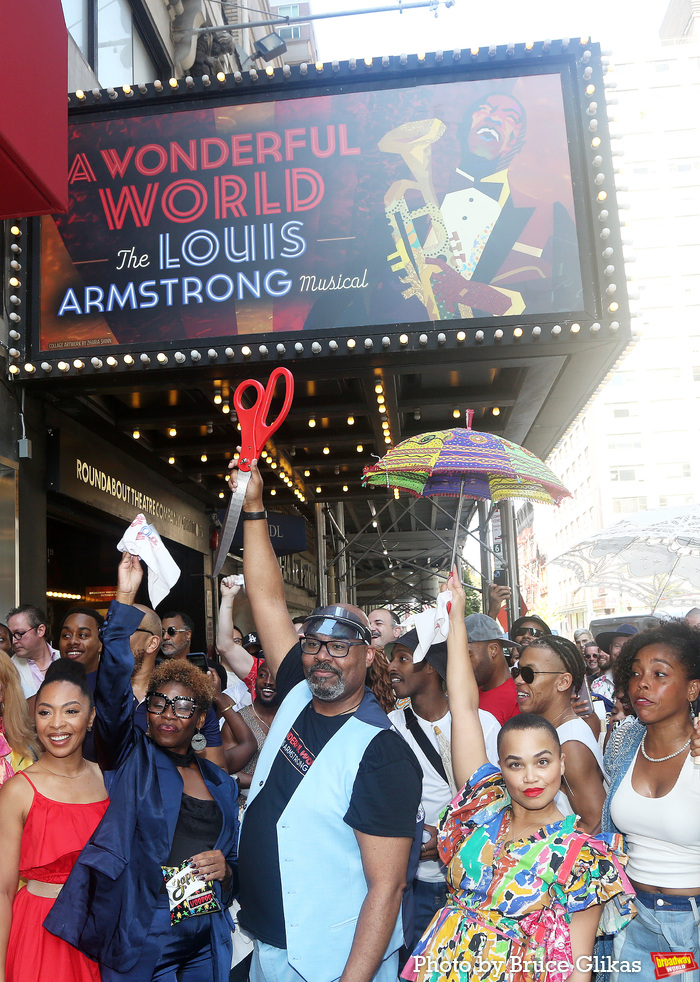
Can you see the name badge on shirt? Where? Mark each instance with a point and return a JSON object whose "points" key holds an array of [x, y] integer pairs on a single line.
{"points": [[187, 894]]}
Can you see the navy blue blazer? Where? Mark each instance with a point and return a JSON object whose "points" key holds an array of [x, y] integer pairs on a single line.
{"points": [[107, 905]]}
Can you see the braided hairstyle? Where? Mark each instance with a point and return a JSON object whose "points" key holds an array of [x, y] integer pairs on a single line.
{"points": [[567, 653]]}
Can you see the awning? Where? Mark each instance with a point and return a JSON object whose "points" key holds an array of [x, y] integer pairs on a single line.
{"points": [[34, 109]]}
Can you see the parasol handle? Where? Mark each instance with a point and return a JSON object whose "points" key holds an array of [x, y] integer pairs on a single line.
{"points": [[457, 523]]}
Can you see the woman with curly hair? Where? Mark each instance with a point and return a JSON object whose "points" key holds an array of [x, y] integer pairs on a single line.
{"points": [[18, 746], [148, 896], [654, 796]]}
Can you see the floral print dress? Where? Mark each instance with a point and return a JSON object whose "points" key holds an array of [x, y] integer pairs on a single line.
{"points": [[509, 904]]}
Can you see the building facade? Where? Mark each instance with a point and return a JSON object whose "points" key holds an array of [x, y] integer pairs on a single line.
{"points": [[634, 448]]}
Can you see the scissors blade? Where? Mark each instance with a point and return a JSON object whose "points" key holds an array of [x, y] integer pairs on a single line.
{"points": [[233, 513]]}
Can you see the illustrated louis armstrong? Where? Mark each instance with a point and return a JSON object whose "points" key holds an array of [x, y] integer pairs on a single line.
{"points": [[489, 251]]}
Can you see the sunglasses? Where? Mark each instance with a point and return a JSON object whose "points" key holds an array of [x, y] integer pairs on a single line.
{"points": [[533, 632], [172, 631], [528, 674]]}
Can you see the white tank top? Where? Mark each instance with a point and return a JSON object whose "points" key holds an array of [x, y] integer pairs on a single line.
{"points": [[578, 730], [662, 835]]}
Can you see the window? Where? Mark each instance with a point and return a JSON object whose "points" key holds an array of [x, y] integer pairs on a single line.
{"points": [[294, 30], [625, 441], [675, 472], [625, 474], [626, 506], [110, 40], [670, 500], [621, 411]]}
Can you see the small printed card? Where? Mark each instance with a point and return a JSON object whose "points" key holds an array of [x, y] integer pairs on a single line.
{"points": [[188, 894]]}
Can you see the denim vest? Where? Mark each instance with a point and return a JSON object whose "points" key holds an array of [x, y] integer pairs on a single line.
{"points": [[323, 883], [619, 755]]}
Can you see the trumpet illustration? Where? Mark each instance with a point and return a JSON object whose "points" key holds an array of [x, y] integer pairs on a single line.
{"points": [[414, 141]]}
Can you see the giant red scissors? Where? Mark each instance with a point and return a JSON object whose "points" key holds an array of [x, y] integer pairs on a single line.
{"points": [[255, 432]]}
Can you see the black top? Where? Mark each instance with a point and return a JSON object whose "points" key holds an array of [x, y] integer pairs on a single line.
{"points": [[384, 802], [197, 830]]}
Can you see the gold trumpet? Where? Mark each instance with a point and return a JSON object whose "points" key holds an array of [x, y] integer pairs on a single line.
{"points": [[414, 141]]}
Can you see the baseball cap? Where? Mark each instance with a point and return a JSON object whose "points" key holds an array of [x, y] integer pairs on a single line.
{"points": [[606, 637], [481, 627], [436, 656], [251, 638], [338, 622]]}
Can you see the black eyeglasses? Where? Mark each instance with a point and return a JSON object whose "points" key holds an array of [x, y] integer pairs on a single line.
{"points": [[172, 631], [336, 649], [528, 674], [182, 706], [18, 635], [144, 630]]}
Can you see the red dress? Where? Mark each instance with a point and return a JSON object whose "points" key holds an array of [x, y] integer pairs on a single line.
{"points": [[53, 836]]}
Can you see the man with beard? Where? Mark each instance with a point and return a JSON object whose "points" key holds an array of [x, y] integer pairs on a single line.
{"points": [[331, 815], [610, 644], [259, 716]]}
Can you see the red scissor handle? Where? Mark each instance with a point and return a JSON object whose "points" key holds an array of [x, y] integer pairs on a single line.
{"points": [[255, 430]]}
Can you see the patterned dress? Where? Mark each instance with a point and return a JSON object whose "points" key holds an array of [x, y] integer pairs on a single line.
{"points": [[510, 903]]}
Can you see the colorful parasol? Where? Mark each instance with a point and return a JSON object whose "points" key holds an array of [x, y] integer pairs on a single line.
{"points": [[466, 463]]}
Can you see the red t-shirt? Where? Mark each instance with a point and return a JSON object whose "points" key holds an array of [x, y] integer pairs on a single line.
{"points": [[502, 701]]}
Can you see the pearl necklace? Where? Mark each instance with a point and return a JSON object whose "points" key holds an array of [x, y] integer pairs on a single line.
{"points": [[658, 760]]}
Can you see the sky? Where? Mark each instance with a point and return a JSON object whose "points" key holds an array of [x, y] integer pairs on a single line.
{"points": [[619, 25]]}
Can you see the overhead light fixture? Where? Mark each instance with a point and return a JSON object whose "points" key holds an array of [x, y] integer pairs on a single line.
{"points": [[416, 414], [307, 473], [351, 420], [136, 434], [326, 450], [312, 421], [456, 412], [269, 47], [172, 431], [203, 458], [359, 448], [171, 460]]}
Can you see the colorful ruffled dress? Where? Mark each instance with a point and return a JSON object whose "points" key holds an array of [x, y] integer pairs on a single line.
{"points": [[509, 904]]}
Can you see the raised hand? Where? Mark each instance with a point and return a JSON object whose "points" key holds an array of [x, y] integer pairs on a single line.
{"points": [[129, 576]]}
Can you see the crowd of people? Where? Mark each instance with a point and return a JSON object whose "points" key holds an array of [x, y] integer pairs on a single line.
{"points": [[326, 799]]}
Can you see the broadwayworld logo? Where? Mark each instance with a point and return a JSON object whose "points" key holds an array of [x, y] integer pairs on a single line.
{"points": [[668, 963]]}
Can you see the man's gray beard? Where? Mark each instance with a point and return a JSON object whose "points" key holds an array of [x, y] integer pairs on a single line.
{"points": [[327, 691]]}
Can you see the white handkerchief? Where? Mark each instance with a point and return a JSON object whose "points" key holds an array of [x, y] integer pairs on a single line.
{"points": [[142, 540], [432, 625]]}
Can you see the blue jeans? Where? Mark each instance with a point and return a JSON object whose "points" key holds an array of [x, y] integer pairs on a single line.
{"points": [[672, 925], [428, 899], [184, 951], [270, 964]]}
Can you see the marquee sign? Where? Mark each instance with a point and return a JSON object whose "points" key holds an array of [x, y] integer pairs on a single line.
{"points": [[425, 195]]}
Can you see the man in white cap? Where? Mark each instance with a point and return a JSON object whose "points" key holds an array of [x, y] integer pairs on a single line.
{"points": [[496, 687], [332, 811]]}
